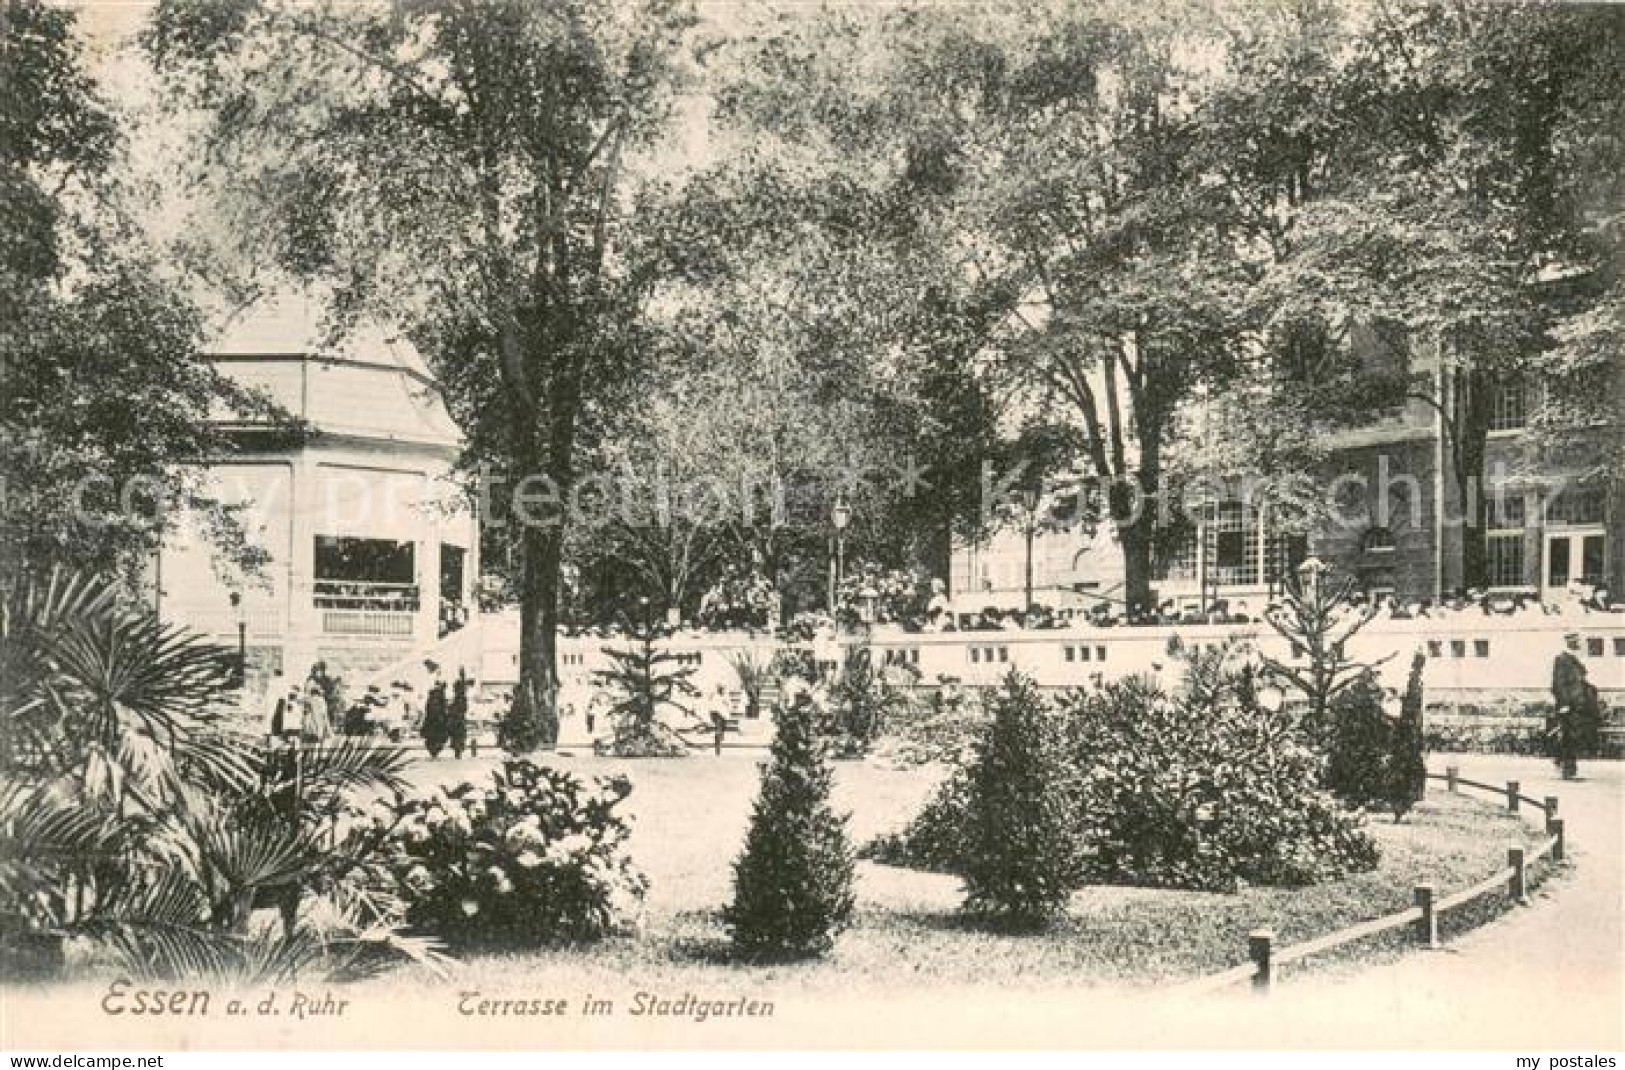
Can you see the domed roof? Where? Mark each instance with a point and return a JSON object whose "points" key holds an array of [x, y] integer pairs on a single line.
{"points": [[368, 381]]}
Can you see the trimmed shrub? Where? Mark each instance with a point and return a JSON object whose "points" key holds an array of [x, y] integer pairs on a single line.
{"points": [[1408, 774], [1375, 761], [1168, 793], [536, 858], [1208, 797], [1019, 846], [531, 722], [1356, 739], [935, 839], [793, 881]]}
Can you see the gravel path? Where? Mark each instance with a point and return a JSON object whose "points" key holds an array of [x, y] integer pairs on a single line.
{"points": [[1546, 978]]}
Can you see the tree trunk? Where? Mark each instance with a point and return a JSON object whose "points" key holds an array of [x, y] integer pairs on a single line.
{"points": [[536, 693], [936, 553], [1135, 539], [1470, 441]]}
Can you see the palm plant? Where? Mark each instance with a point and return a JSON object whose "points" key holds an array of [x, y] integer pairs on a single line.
{"points": [[136, 814], [755, 673]]}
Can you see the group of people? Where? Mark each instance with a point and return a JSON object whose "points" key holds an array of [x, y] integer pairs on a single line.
{"points": [[940, 618], [315, 710], [445, 717], [303, 712]]}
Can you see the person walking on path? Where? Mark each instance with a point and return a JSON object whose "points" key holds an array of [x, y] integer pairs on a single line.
{"points": [[1576, 720]]}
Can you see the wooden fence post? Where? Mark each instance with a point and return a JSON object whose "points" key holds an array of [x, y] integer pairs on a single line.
{"points": [[1259, 943], [1555, 826], [1512, 796], [1427, 926], [1518, 886], [1551, 811], [1451, 772]]}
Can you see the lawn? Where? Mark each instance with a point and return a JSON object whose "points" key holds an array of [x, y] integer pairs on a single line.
{"points": [[691, 815]]}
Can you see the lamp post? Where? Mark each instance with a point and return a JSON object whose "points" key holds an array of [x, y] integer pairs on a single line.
{"points": [[1310, 574], [839, 516], [240, 614], [1029, 504]]}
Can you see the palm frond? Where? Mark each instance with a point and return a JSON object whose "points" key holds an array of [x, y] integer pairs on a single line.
{"points": [[247, 855], [160, 928], [331, 770]]}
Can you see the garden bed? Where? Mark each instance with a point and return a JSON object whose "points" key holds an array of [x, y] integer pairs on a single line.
{"points": [[691, 819]]}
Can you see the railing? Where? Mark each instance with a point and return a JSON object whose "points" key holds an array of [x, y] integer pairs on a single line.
{"points": [[1496, 656], [1264, 958], [367, 622], [366, 595]]}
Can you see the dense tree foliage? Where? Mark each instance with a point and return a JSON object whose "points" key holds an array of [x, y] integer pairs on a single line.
{"points": [[476, 173], [103, 398]]}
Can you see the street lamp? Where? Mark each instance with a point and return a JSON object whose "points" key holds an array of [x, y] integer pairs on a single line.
{"points": [[1310, 574], [840, 515], [1029, 503], [240, 614]]}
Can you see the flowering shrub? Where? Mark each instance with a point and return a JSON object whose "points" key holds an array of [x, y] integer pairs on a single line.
{"points": [[1169, 792], [1207, 796], [738, 600], [899, 595], [536, 857], [939, 723]]}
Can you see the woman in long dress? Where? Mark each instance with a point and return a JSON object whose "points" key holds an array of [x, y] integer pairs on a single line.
{"points": [[318, 726]]}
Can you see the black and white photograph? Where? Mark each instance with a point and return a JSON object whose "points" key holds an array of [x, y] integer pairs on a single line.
{"points": [[737, 525]]}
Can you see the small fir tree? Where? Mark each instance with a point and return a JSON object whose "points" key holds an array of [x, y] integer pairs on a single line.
{"points": [[793, 881], [1357, 739], [1318, 620], [1408, 770], [646, 681], [1019, 846]]}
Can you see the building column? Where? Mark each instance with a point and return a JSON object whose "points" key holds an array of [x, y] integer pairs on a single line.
{"points": [[305, 510], [426, 628]]}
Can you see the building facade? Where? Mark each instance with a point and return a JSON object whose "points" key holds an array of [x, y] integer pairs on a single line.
{"points": [[369, 553], [1392, 520]]}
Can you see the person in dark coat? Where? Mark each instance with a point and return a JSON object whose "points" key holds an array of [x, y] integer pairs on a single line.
{"points": [[457, 716], [436, 719], [1575, 723]]}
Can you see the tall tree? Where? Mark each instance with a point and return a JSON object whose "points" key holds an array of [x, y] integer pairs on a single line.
{"points": [[1473, 201], [1053, 150], [104, 400], [471, 169]]}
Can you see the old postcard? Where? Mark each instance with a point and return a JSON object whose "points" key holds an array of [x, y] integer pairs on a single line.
{"points": [[626, 524]]}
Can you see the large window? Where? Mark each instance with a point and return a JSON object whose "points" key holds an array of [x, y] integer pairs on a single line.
{"points": [[1233, 550], [1575, 507], [1509, 406], [1504, 551], [1232, 544], [357, 573], [1504, 542]]}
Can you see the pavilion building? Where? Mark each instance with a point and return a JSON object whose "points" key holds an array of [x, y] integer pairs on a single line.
{"points": [[369, 552]]}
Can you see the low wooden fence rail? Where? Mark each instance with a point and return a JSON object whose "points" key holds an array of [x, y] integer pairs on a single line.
{"points": [[1264, 958]]}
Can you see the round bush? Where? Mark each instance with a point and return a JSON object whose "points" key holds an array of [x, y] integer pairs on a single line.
{"points": [[538, 857]]}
